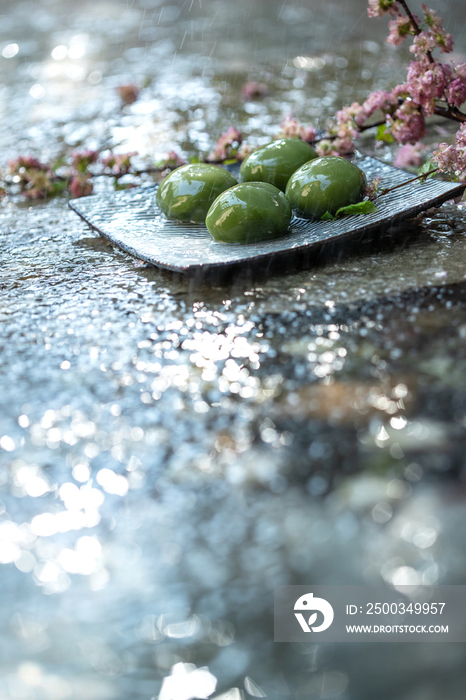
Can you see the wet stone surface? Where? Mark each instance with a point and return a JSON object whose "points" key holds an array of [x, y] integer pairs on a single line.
{"points": [[170, 451]]}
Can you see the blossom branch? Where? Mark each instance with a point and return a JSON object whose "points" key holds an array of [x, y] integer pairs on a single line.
{"points": [[431, 87], [450, 112], [423, 176], [411, 16], [429, 84]]}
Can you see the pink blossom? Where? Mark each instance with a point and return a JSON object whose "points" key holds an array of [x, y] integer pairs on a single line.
{"points": [[460, 70], [81, 160], [343, 145], [231, 136], [40, 184], [400, 91], [172, 160], [452, 159], [291, 128], [460, 141], [448, 71], [446, 157], [426, 82], [385, 101], [26, 162], [344, 131], [81, 185], [244, 151], [344, 142], [456, 92], [35, 178], [399, 28], [408, 124], [351, 115], [444, 41], [128, 93], [251, 90], [308, 133], [377, 8], [327, 147], [119, 164], [423, 43], [373, 188], [440, 37], [349, 120], [432, 19], [226, 145], [409, 156]]}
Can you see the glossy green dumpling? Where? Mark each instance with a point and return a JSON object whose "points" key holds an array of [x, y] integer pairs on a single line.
{"points": [[188, 192], [247, 213], [325, 184], [276, 162]]}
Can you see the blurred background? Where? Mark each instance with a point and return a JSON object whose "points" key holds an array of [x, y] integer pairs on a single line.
{"points": [[171, 451], [191, 59]]}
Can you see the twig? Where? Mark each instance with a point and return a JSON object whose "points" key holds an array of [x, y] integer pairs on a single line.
{"points": [[451, 113], [415, 26], [423, 176], [331, 137], [417, 29]]}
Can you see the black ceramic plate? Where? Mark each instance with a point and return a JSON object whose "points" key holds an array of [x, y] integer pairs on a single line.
{"points": [[131, 220]]}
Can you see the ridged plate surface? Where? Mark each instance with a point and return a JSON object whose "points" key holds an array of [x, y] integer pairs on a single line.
{"points": [[131, 220]]}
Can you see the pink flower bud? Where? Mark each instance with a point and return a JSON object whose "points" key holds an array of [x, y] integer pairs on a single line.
{"points": [[81, 185], [227, 145], [456, 92], [128, 93], [409, 156], [251, 90]]}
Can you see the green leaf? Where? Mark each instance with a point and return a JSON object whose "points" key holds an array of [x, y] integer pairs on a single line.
{"points": [[58, 163], [384, 135], [365, 207], [430, 164], [328, 217], [59, 186]]}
